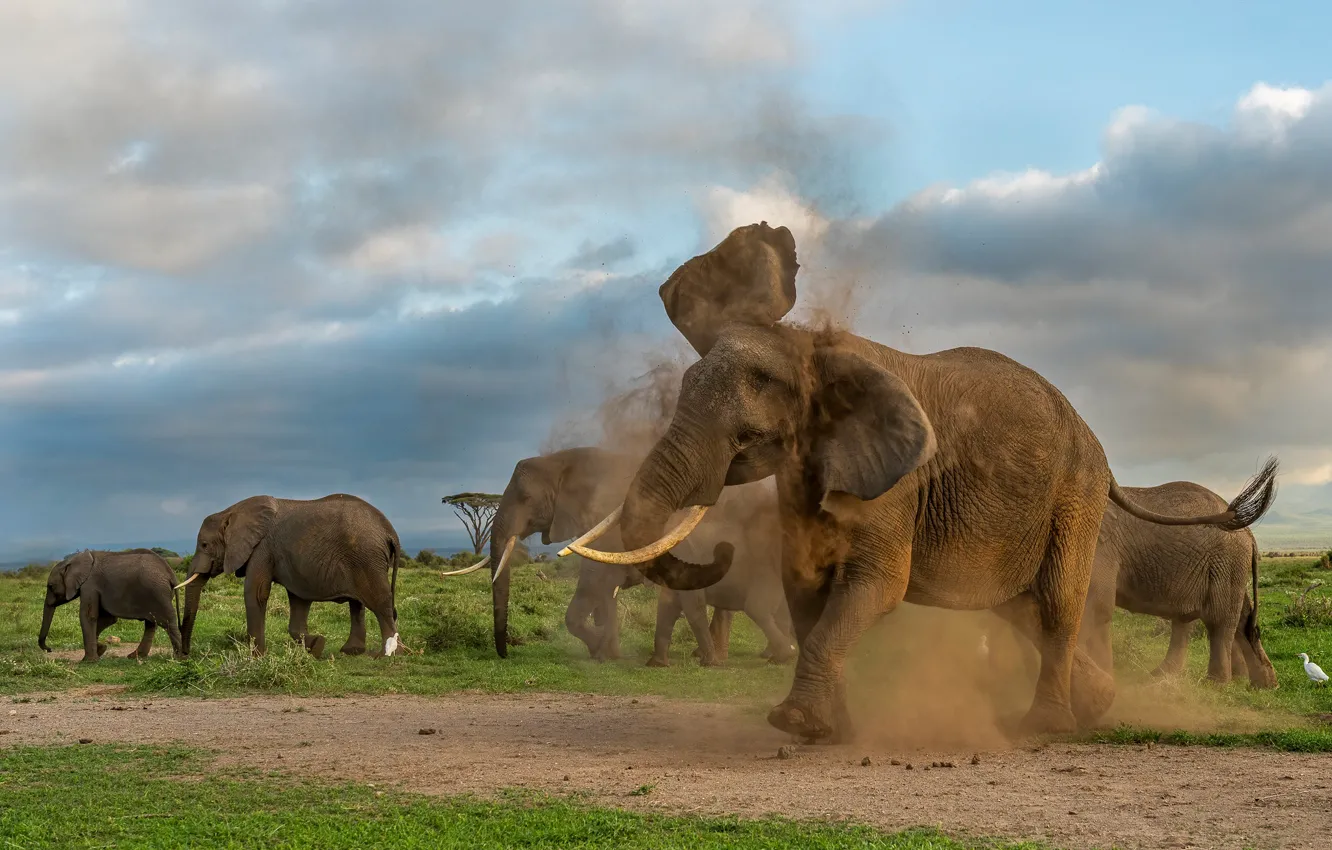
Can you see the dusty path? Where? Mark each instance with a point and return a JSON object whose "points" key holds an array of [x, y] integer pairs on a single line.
{"points": [[708, 759]]}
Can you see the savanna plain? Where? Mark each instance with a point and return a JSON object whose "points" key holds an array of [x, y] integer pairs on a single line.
{"points": [[449, 746]]}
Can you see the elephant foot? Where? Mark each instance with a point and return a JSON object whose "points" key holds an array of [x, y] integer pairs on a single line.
{"points": [[101, 650], [1093, 693], [782, 656], [350, 648], [802, 720], [1048, 719], [89, 659], [1166, 671], [710, 662], [658, 662]]}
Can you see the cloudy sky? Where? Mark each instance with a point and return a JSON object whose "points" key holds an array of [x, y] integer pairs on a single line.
{"points": [[299, 248]]}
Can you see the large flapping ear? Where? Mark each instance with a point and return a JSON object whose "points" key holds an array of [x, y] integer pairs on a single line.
{"points": [[77, 570], [749, 277], [869, 430], [583, 494], [247, 523]]}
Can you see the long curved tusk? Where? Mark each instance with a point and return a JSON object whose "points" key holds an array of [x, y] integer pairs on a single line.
{"points": [[654, 550], [185, 582], [504, 559], [465, 570], [594, 532]]}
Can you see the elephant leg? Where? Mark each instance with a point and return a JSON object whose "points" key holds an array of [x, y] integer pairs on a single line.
{"points": [[668, 611], [1178, 653], [257, 588], [719, 630], [816, 705], [1220, 637], [1088, 691], [694, 603], [146, 643], [581, 606], [606, 618], [779, 649], [1256, 663], [355, 644], [298, 625], [1097, 616], [388, 624], [173, 632], [1238, 665]]}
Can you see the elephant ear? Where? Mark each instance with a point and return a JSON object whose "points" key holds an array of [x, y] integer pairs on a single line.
{"points": [[749, 277], [247, 524], [869, 430], [575, 498], [77, 570]]}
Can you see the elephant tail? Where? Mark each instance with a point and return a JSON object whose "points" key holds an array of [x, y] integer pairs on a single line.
{"points": [[395, 555], [1247, 508], [1251, 630]]}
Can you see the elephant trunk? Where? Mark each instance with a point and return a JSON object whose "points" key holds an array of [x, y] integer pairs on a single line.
{"points": [[192, 594], [507, 525], [47, 613], [684, 469]]}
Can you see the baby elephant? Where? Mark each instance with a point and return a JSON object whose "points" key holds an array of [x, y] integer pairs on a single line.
{"points": [[1183, 575], [110, 586]]}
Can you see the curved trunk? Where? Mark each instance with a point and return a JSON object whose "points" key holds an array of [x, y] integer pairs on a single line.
{"points": [[47, 613], [192, 593], [683, 469]]}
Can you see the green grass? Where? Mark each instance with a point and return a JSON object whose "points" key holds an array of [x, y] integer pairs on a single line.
{"points": [[1286, 741], [102, 796], [447, 621]]}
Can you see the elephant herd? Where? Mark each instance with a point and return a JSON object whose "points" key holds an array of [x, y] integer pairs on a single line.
{"points": [[831, 477]]}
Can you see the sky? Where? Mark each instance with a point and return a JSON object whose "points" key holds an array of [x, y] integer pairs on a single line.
{"points": [[301, 248]]}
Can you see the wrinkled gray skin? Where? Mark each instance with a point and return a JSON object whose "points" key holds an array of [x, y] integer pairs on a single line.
{"points": [[1181, 575], [563, 494], [335, 549], [958, 479], [111, 586]]}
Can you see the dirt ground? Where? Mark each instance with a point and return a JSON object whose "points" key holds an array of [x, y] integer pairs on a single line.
{"points": [[712, 759]]}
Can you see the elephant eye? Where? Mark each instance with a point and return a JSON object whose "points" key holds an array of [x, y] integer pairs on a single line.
{"points": [[749, 436]]}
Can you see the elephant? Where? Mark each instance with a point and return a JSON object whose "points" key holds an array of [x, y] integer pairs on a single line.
{"points": [[558, 494], [338, 548], [1181, 575], [133, 585], [958, 479]]}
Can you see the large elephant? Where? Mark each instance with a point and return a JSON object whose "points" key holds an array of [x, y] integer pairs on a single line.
{"points": [[957, 479], [335, 549], [560, 495], [110, 586], [1182, 575]]}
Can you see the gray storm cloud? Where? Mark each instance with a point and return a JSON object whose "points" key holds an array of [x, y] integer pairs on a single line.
{"points": [[317, 247]]}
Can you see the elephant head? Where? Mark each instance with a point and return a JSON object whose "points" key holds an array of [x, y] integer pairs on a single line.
{"points": [[749, 277], [62, 585], [766, 398], [559, 495], [225, 542]]}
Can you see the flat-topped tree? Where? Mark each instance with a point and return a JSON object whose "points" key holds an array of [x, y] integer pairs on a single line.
{"points": [[477, 512]]}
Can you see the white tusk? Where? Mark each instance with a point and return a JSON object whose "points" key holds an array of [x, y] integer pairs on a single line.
{"points": [[465, 570], [594, 532], [654, 550], [615, 592], [504, 559], [185, 582]]}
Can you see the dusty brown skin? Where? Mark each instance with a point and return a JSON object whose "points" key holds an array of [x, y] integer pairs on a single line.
{"points": [[1182, 575], [335, 549], [111, 586], [564, 493], [959, 479]]}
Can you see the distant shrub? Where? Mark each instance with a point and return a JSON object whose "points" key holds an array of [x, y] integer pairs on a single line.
{"points": [[30, 571], [1308, 612], [1325, 562]]}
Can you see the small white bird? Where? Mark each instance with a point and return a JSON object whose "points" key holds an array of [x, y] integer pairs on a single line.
{"points": [[391, 644], [1315, 673]]}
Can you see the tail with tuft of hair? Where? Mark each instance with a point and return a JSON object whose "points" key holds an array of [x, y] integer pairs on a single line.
{"points": [[1246, 509]]}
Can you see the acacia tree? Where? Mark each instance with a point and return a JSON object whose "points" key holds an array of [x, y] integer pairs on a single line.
{"points": [[477, 512]]}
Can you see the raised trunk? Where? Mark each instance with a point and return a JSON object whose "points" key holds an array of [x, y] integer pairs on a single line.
{"points": [[192, 594], [47, 613], [684, 469]]}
